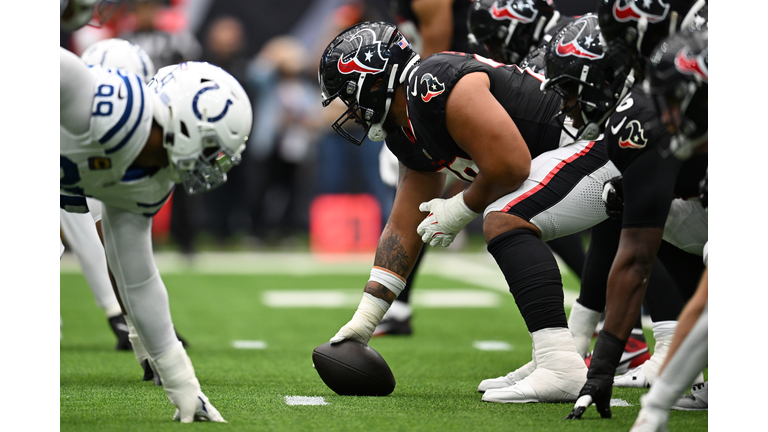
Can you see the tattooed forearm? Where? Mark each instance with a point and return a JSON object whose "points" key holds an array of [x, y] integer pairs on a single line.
{"points": [[391, 254]]}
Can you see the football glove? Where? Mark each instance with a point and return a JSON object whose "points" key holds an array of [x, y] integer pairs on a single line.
{"points": [[613, 197], [182, 387], [447, 217], [599, 385], [364, 322]]}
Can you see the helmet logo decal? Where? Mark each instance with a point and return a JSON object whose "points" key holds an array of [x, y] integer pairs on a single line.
{"points": [[197, 111], [434, 87], [636, 137], [368, 57], [692, 64], [631, 12], [508, 13], [575, 48]]}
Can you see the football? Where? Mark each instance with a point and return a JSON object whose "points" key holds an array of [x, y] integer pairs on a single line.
{"points": [[352, 368]]}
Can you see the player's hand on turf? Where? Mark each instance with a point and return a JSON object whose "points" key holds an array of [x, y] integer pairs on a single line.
{"points": [[364, 322], [596, 390], [447, 217], [196, 409]]}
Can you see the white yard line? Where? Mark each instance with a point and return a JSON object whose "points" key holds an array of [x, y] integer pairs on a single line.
{"points": [[305, 400], [477, 268], [249, 344]]}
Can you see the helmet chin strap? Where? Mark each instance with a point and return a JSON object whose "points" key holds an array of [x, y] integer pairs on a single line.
{"points": [[376, 132]]}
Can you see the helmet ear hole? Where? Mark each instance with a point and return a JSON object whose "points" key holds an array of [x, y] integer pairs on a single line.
{"points": [[184, 130]]}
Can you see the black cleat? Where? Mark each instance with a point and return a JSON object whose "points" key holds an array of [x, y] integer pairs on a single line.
{"points": [[120, 328], [389, 326], [149, 374]]}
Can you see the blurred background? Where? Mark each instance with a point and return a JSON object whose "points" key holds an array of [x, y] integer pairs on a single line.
{"points": [[300, 185]]}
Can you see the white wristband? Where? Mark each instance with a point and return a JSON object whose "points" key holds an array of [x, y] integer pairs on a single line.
{"points": [[391, 281]]}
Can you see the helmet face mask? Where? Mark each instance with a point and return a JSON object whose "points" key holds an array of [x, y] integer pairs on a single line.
{"points": [[590, 79], [362, 67], [206, 118], [678, 81], [637, 26]]}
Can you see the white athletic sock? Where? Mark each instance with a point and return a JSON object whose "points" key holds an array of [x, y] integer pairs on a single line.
{"points": [[663, 332], [582, 322], [683, 368]]}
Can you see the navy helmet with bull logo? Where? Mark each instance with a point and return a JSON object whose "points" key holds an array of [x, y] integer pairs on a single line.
{"points": [[591, 79], [363, 66]]}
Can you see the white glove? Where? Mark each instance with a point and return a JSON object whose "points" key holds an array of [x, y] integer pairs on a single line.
{"points": [[183, 389], [364, 322], [446, 219]]}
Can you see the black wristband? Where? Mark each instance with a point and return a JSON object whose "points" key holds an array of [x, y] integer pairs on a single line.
{"points": [[607, 355]]}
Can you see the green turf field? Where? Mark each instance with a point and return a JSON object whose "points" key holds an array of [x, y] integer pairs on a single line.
{"points": [[216, 303]]}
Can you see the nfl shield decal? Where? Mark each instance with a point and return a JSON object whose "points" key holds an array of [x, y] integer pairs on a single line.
{"points": [[633, 136], [433, 87]]}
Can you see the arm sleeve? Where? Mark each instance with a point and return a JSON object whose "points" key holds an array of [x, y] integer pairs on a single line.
{"points": [[76, 86], [128, 243]]}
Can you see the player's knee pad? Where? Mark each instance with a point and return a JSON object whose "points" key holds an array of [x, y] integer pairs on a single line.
{"points": [[533, 278]]}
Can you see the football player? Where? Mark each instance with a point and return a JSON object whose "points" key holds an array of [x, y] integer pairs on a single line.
{"points": [[678, 75], [649, 181], [127, 145], [482, 122], [79, 231], [430, 27], [517, 32]]}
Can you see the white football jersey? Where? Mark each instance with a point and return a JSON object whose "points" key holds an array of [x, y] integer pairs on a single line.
{"points": [[95, 163]]}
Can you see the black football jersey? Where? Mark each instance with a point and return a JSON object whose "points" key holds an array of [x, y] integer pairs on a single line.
{"points": [[636, 142], [427, 146]]}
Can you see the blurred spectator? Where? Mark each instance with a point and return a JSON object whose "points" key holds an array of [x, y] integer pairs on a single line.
{"points": [[227, 210], [162, 34], [286, 102]]}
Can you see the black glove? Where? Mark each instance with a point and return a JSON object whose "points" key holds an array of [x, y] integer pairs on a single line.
{"points": [[613, 196], [599, 385]]}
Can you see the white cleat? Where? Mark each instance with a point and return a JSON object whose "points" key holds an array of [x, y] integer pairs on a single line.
{"points": [[542, 385], [697, 400], [507, 380], [634, 378], [559, 372], [521, 392]]}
